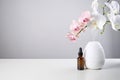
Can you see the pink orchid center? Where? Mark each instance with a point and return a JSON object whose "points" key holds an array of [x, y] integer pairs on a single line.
{"points": [[77, 28], [85, 20]]}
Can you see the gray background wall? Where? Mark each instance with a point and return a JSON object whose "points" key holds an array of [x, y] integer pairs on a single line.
{"points": [[37, 29]]}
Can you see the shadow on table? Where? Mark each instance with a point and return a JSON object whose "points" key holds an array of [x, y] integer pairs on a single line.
{"points": [[112, 65]]}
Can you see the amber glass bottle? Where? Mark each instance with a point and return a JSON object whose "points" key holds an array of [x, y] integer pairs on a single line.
{"points": [[80, 60]]}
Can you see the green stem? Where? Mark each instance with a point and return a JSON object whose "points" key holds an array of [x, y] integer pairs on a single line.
{"points": [[104, 26], [104, 10], [108, 0], [106, 21], [104, 7], [81, 30]]}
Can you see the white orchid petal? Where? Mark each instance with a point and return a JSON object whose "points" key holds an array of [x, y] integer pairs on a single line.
{"points": [[115, 21], [108, 5], [100, 20], [115, 6], [95, 5], [111, 17]]}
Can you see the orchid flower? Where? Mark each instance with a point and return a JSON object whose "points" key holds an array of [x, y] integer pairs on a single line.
{"points": [[115, 21], [75, 26], [85, 17], [114, 16], [95, 19], [78, 26], [98, 19], [71, 37], [114, 7]]}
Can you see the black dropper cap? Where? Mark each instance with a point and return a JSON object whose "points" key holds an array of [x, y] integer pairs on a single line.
{"points": [[80, 53]]}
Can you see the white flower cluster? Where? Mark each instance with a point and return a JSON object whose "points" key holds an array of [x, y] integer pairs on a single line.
{"points": [[96, 19], [112, 15]]}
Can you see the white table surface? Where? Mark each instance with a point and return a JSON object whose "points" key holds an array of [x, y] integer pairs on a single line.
{"points": [[55, 69]]}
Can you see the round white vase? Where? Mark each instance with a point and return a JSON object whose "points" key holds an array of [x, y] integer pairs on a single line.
{"points": [[94, 55]]}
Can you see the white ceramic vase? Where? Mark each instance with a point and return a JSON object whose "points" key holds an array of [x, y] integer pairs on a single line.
{"points": [[94, 55]]}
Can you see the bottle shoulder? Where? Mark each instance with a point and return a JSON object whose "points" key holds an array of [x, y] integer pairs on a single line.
{"points": [[80, 58]]}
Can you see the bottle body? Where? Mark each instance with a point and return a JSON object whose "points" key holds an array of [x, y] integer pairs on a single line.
{"points": [[80, 63]]}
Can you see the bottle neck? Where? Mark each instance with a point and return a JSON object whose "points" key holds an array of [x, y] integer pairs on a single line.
{"points": [[80, 55]]}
